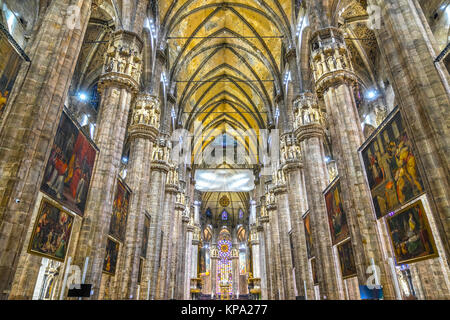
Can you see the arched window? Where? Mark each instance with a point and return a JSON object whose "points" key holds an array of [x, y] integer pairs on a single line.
{"points": [[224, 215]]}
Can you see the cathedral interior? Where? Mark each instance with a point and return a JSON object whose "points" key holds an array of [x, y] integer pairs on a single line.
{"points": [[224, 149]]}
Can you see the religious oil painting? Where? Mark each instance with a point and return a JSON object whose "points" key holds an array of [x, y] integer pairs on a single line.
{"points": [[410, 234], [308, 235], [314, 271], [337, 219], [391, 167], [145, 235], [347, 260], [10, 63], [69, 168], [112, 253], [119, 217], [51, 234]]}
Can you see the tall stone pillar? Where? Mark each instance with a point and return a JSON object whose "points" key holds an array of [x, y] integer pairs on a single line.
{"points": [[284, 226], [298, 205], [182, 259], [118, 86], [167, 228], [155, 194], [334, 79], [422, 87], [263, 262], [266, 252], [277, 287], [142, 133], [310, 134], [29, 125], [256, 260], [235, 269], [188, 269], [214, 257], [177, 238], [194, 245]]}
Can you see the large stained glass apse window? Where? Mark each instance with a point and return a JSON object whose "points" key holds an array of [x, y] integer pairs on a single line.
{"points": [[224, 265]]}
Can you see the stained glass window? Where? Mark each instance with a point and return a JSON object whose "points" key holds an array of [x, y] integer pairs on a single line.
{"points": [[224, 215]]}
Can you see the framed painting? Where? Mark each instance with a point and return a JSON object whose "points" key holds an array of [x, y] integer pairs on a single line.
{"points": [[337, 219], [141, 267], [112, 253], [411, 237], [346, 260], [314, 271], [12, 57], [67, 175], [51, 233], [308, 236], [145, 235], [390, 166], [118, 224]]}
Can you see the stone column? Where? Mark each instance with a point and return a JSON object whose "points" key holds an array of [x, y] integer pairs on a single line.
{"points": [[159, 169], [334, 84], [188, 269], [262, 262], [235, 269], [177, 238], [194, 256], [298, 205], [267, 253], [142, 133], [182, 259], [422, 89], [213, 271], [256, 259], [284, 226], [310, 134], [167, 228], [275, 254], [29, 124], [118, 86]]}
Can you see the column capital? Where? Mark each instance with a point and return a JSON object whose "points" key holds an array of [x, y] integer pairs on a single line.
{"points": [[160, 165], [123, 62], [330, 59], [145, 117], [264, 219], [292, 165], [279, 189], [172, 188]]}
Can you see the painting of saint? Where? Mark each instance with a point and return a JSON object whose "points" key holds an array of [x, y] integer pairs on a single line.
{"points": [[337, 219], [145, 236], [112, 252], [69, 168], [10, 63], [308, 235], [119, 216], [203, 260], [51, 234], [314, 271], [390, 167], [347, 260], [410, 234]]}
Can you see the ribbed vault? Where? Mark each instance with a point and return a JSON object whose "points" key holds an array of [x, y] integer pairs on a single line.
{"points": [[224, 64]]}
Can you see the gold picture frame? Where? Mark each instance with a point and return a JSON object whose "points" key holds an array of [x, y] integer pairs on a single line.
{"points": [[52, 231], [410, 234]]}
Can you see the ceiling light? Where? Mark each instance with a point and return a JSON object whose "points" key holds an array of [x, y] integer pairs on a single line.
{"points": [[82, 96]]}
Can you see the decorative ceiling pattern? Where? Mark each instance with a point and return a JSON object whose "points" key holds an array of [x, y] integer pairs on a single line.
{"points": [[225, 59]]}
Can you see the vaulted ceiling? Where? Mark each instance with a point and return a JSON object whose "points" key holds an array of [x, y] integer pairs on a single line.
{"points": [[225, 59]]}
